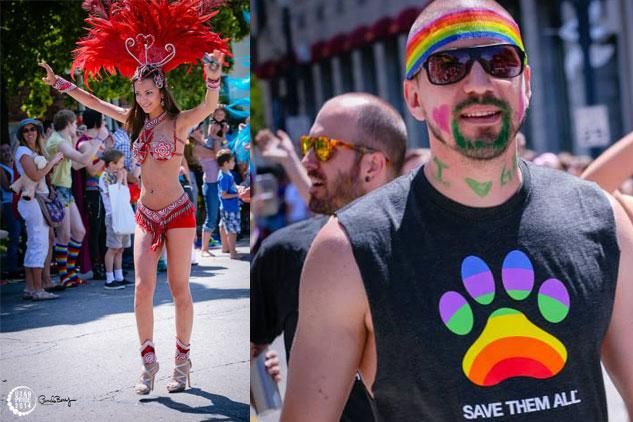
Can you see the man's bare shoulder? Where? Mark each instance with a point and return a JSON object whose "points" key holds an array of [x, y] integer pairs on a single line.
{"points": [[332, 234], [332, 246], [330, 269], [331, 332]]}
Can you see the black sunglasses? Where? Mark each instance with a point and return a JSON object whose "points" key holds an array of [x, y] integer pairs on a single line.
{"points": [[447, 67], [32, 129]]}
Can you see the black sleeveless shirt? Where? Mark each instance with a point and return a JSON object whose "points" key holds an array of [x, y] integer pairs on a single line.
{"points": [[275, 275], [488, 313]]}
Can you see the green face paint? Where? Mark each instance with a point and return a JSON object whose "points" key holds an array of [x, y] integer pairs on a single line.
{"points": [[482, 149], [480, 188], [508, 174], [440, 167]]}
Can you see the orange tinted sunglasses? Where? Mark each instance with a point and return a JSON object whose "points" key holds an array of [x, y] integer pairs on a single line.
{"points": [[324, 146]]}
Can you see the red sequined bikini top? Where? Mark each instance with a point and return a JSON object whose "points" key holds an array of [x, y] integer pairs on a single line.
{"points": [[161, 149]]}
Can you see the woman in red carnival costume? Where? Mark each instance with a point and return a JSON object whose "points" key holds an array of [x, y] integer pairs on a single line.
{"points": [[144, 40]]}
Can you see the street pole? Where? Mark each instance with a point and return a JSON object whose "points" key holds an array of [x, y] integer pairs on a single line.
{"points": [[584, 32], [290, 103]]}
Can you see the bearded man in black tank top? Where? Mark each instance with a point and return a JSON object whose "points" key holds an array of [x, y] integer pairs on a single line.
{"points": [[480, 287], [368, 140]]}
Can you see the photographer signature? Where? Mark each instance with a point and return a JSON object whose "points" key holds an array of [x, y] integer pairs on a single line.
{"points": [[55, 399]]}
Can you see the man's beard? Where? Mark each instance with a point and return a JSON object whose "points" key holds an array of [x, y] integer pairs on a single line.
{"points": [[487, 144], [346, 188]]}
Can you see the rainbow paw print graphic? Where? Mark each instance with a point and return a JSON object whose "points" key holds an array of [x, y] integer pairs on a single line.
{"points": [[510, 345]]}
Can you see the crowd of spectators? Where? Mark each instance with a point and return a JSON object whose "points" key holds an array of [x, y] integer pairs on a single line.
{"points": [[291, 207], [79, 242]]}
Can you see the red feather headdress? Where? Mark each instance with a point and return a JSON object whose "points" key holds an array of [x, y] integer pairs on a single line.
{"points": [[138, 34]]}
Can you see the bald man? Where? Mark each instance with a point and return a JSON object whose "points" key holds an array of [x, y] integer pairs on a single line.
{"points": [[481, 286], [367, 140]]}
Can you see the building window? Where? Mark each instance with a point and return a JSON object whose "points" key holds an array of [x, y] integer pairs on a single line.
{"points": [[369, 70], [308, 88], [394, 74], [347, 72], [326, 79]]}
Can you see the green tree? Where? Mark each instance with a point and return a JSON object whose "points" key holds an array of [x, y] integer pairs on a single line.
{"points": [[230, 20], [32, 31]]}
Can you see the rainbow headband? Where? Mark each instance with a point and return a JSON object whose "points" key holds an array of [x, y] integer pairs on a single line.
{"points": [[458, 25]]}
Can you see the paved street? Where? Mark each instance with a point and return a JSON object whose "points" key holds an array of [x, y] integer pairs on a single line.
{"points": [[84, 346]]}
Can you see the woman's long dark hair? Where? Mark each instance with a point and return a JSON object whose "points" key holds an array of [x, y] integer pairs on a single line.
{"points": [[136, 117]]}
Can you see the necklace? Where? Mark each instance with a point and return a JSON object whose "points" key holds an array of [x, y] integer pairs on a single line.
{"points": [[151, 124], [148, 128]]}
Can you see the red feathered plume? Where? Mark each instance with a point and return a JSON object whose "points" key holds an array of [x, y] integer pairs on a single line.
{"points": [[152, 23]]}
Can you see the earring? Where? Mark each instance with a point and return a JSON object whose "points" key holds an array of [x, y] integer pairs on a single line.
{"points": [[162, 102]]}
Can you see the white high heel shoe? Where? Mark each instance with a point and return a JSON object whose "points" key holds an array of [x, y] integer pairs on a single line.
{"points": [[181, 377], [147, 379], [150, 369]]}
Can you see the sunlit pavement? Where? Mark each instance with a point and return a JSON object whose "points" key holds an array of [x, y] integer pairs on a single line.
{"points": [[84, 347]]}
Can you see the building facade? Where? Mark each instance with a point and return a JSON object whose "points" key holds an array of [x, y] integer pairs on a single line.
{"points": [[306, 51]]}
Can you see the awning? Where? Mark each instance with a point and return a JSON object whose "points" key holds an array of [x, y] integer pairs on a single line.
{"points": [[339, 44], [357, 37], [363, 35], [318, 51], [379, 30]]}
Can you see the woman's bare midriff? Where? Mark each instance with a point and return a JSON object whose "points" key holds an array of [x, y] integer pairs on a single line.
{"points": [[159, 182]]}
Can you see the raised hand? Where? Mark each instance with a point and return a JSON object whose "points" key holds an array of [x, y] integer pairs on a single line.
{"points": [[50, 77], [213, 65], [275, 148]]}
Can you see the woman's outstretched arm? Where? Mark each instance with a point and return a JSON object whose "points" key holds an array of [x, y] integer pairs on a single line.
{"points": [[190, 118], [613, 166], [117, 113]]}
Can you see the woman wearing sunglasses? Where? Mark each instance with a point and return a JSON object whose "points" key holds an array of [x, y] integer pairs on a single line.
{"points": [[480, 284], [29, 134]]}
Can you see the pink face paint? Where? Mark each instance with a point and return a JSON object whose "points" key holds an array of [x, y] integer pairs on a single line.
{"points": [[440, 116], [521, 110]]}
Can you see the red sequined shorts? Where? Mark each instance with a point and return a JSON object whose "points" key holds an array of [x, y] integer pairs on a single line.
{"points": [[179, 214]]}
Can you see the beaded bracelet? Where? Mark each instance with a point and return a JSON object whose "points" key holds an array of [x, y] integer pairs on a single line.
{"points": [[62, 85], [212, 84]]}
